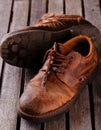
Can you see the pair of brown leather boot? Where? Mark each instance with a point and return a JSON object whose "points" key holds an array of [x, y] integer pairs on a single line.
{"points": [[67, 68]]}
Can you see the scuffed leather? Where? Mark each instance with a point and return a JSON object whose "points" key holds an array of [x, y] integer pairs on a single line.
{"points": [[59, 88], [52, 21]]}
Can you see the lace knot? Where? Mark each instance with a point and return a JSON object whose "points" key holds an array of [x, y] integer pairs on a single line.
{"points": [[56, 61]]}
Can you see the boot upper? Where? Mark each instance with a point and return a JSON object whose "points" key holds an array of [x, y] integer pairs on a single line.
{"points": [[66, 69], [52, 21]]}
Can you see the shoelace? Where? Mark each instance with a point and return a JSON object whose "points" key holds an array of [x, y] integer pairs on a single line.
{"points": [[57, 63]]}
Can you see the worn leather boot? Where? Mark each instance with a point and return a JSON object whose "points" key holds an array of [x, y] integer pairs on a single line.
{"points": [[68, 67], [26, 47]]}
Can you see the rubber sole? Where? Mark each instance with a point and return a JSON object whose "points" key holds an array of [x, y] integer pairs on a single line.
{"points": [[27, 48]]}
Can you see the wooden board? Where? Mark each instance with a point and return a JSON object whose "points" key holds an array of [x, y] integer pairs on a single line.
{"points": [[56, 124], [59, 124], [80, 111], [5, 14], [73, 7], [12, 76], [4, 21], [55, 7], [38, 8], [93, 14]]}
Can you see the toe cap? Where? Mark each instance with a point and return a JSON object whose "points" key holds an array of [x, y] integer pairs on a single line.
{"points": [[29, 102]]}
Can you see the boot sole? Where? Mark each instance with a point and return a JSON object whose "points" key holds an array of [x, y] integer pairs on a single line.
{"points": [[27, 48]]}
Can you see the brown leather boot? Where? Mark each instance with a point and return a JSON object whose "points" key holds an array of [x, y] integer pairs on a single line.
{"points": [[22, 47], [54, 89]]}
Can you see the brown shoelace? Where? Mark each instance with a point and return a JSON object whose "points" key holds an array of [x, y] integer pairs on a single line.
{"points": [[57, 63]]}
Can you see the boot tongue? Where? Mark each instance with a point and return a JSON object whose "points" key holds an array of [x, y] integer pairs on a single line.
{"points": [[61, 49]]}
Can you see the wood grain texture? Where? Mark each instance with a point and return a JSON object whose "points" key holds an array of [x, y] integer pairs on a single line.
{"points": [[20, 14], [4, 16], [38, 8], [58, 124], [97, 99], [93, 14], [29, 125], [73, 7], [55, 6], [4, 20], [12, 77], [80, 111], [9, 96]]}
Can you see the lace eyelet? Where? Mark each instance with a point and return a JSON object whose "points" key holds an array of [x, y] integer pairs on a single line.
{"points": [[73, 57], [82, 78]]}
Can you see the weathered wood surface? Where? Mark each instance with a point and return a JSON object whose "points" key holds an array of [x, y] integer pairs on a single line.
{"points": [[36, 10], [94, 14], [12, 75], [4, 21], [85, 113], [81, 108], [59, 124]]}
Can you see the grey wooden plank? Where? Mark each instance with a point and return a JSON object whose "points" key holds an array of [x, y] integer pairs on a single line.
{"points": [[29, 125], [73, 7], [94, 15], [38, 8], [55, 6], [9, 96], [20, 14], [97, 99], [4, 20], [24, 123], [80, 111], [93, 12], [12, 76], [56, 124], [4, 15]]}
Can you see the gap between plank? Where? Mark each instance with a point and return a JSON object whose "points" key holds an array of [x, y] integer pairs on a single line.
{"points": [[91, 98], [83, 9], [100, 5], [67, 121], [29, 12], [18, 122], [21, 91], [11, 16], [22, 82], [1, 76], [47, 4], [64, 7], [42, 126]]}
